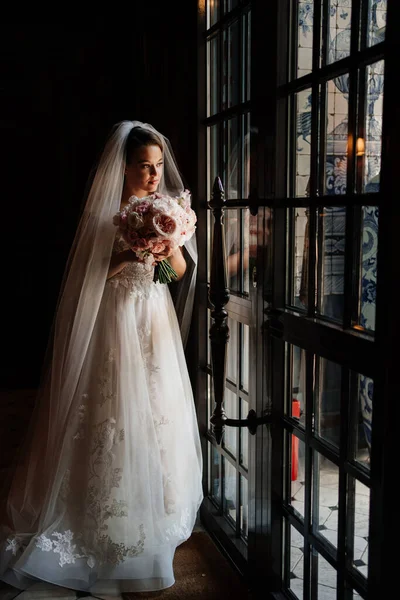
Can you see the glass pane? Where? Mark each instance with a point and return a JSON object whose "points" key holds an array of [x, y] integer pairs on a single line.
{"points": [[247, 222], [233, 57], [231, 410], [368, 271], [304, 38], [244, 435], [303, 144], [210, 230], [230, 475], [231, 4], [208, 337], [299, 252], [298, 379], [244, 521], [213, 71], [213, 164], [210, 396], [369, 153], [245, 358], [337, 132], [297, 489], [327, 400], [331, 257], [327, 578], [232, 246], [246, 155], [325, 509], [339, 24], [215, 474], [224, 74], [246, 60], [296, 581], [232, 351], [365, 394], [361, 527], [376, 21], [212, 12], [234, 162]]}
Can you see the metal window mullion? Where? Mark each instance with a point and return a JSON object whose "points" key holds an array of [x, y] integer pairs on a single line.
{"points": [[238, 429], [314, 191], [308, 461], [347, 423]]}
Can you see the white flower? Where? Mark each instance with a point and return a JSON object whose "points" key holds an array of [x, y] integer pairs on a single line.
{"points": [[44, 543], [13, 545]]}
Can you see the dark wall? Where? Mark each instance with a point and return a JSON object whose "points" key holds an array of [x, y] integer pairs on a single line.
{"points": [[62, 89]]}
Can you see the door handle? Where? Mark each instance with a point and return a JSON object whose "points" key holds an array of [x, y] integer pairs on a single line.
{"points": [[219, 420]]}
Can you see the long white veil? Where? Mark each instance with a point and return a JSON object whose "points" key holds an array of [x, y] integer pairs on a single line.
{"points": [[77, 308]]}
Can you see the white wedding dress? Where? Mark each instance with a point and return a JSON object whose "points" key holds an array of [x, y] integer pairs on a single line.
{"points": [[128, 479]]}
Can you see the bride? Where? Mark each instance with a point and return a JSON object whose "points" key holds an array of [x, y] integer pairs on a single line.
{"points": [[109, 480]]}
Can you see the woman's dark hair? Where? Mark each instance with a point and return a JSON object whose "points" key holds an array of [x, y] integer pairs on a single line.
{"points": [[138, 137]]}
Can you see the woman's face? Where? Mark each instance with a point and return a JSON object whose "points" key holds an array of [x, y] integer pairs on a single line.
{"points": [[143, 173]]}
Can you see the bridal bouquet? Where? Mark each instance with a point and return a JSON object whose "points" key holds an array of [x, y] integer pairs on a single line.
{"points": [[156, 224]]}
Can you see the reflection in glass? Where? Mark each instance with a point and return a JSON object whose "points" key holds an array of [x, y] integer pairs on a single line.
{"points": [[246, 87], [368, 271], [231, 409], [230, 475], [243, 506], [297, 406], [339, 25], [326, 509], [232, 248], [231, 4], [337, 135], [303, 137], [213, 11], [244, 435], [370, 155], [296, 581], [210, 396], [246, 155], [327, 398], [327, 577], [361, 527], [299, 249], [245, 349], [297, 475], [233, 58], [210, 230], [232, 351], [304, 37], [214, 157], [376, 21], [215, 474], [214, 79], [365, 395], [249, 246], [237, 239], [331, 257], [234, 160]]}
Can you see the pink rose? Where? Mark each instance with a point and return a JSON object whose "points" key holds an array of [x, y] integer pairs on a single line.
{"points": [[158, 247], [165, 224], [141, 243], [143, 207]]}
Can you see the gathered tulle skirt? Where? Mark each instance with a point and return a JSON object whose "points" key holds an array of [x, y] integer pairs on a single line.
{"points": [[122, 488]]}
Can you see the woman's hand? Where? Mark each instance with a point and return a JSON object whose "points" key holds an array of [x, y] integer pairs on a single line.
{"points": [[119, 260], [159, 256]]}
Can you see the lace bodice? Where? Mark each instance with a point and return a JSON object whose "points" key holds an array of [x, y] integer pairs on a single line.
{"points": [[137, 277]]}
